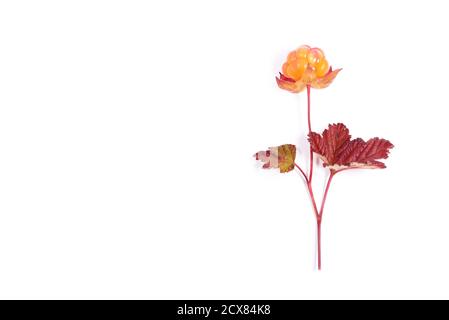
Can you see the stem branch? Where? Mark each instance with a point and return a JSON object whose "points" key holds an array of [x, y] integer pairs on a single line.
{"points": [[302, 171], [308, 179], [312, 197], [320, 216], [326, 191]]}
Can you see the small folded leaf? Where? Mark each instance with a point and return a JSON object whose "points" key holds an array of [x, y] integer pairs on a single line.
{"points": [[290, 84], [321, 83], [335, 147], [282, 157]]}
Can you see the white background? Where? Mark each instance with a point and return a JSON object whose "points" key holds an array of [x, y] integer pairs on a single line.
{"points": [[127, 130]]}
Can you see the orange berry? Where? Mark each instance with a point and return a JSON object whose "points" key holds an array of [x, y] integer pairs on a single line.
{"points": [[315, 56], [322, 68]]}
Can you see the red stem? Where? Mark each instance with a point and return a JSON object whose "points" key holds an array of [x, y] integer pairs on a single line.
{"points": [[318, 214], [302, 171], [309, 122], [326, 191], [309, 189], [312, 197], [318, 226]]}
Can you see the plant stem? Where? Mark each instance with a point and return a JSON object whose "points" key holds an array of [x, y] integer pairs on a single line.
{"points": [[309, 122], [312, 197], [318, 225], [320, 216], [326, 191], [302, 171], [309, 189]]}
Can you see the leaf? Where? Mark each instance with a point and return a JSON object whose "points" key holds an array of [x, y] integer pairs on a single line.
{"points": [[289, 84], [324, 82], [335, 147], [282, 157]]}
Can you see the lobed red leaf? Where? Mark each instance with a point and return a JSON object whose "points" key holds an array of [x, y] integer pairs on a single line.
{"points": [[335, 147]]}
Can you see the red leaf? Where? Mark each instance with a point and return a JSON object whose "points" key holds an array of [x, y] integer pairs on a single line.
{"points": [[338, 151], [284, 78], [289, 84]]}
